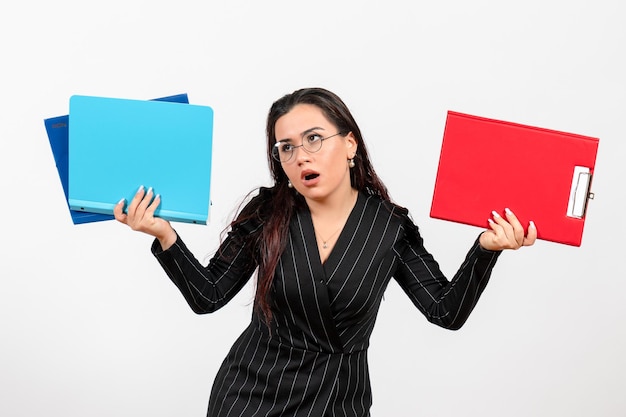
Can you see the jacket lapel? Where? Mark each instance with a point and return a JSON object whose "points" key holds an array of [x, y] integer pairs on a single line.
{"points": [[312, 278]]}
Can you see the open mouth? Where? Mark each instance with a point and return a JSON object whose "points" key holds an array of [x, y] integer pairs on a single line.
{"points": [[311, 176]]}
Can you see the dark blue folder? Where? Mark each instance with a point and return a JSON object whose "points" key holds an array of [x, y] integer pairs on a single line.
{"points": [[58, 136]]}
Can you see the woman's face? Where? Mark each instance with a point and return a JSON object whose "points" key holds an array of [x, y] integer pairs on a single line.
{"points": [[320, 175]]}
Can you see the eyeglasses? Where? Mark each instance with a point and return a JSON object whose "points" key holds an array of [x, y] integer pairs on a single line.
{"points": [[283, 151]]}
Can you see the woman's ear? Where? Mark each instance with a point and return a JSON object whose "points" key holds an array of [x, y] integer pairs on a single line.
{"points": [[351, 145]]}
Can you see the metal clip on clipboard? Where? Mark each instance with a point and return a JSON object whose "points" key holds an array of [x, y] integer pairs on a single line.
{"points": [[579, 193]]}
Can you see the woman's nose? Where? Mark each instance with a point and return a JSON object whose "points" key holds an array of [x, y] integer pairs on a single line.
{"points": [[301, 155]]}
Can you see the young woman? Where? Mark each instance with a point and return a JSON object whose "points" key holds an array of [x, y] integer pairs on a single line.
{"points": [[325, 240]]}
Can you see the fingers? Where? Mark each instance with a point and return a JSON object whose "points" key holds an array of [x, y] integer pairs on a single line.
{"points": [[506, 236], [140, 211], [136, 201], [517, 232], [140, 216], [144, 203], [508, 233], [118, 211], [153, 205], [531, 236]]}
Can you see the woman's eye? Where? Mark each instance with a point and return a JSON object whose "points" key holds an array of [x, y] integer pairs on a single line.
{"points": [[286, 147], [314, 138]]}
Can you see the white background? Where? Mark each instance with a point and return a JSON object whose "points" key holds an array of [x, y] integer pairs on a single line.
{"points": [[91, 326]]}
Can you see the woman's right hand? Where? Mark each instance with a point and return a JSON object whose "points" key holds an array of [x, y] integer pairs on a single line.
{"points": [[140, 217]]}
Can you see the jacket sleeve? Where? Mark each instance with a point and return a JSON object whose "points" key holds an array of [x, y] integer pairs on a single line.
{"points": [[208, 288], [446, 303]]}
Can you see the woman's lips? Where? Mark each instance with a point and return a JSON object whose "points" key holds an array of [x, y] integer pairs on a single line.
{"points": [[309, 178]]}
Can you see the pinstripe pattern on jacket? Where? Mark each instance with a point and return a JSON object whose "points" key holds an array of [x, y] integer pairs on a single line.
{"points": [[313, 362]]}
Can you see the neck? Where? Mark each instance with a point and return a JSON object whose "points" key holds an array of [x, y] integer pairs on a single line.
{"points": [[329, 219], [333, 208]]}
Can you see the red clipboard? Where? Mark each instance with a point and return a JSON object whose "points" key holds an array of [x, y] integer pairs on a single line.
{"points": [[540, 174]]}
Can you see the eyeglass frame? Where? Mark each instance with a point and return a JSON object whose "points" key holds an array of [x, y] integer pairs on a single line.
{"points": [[293, 149]]}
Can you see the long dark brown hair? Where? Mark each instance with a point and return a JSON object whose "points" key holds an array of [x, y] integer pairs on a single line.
{"points": [[280, 202]]}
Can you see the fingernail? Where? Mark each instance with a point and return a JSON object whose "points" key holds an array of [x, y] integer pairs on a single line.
{"points": [[140, 188], [490, 221], [508, 211], [121, 201], [495, 214], [532, 224], [149, 190]]}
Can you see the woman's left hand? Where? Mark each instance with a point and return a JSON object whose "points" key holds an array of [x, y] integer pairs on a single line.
{"points": [[507, 233]]}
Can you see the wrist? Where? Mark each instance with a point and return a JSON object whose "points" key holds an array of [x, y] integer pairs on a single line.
{"points": [[167, 239], [485, 243]]}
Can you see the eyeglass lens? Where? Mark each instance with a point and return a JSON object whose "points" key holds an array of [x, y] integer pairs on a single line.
{"points": [[283, 151]]}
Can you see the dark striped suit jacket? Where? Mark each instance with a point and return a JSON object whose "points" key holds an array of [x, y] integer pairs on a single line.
{"points": [[314, 360]]}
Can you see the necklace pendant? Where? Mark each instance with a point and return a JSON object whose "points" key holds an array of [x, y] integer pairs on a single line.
{"points": [[325, 246]]}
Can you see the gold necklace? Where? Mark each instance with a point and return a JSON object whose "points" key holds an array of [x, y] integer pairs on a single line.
{"points": [[325, 241]]}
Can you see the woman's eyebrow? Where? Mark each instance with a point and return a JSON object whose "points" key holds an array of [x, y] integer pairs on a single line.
{"points": [[310, 130], [303, 134]]}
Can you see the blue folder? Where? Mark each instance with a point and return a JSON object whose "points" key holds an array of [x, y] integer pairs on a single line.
{"points": [[116, 144], [57, 129]]}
